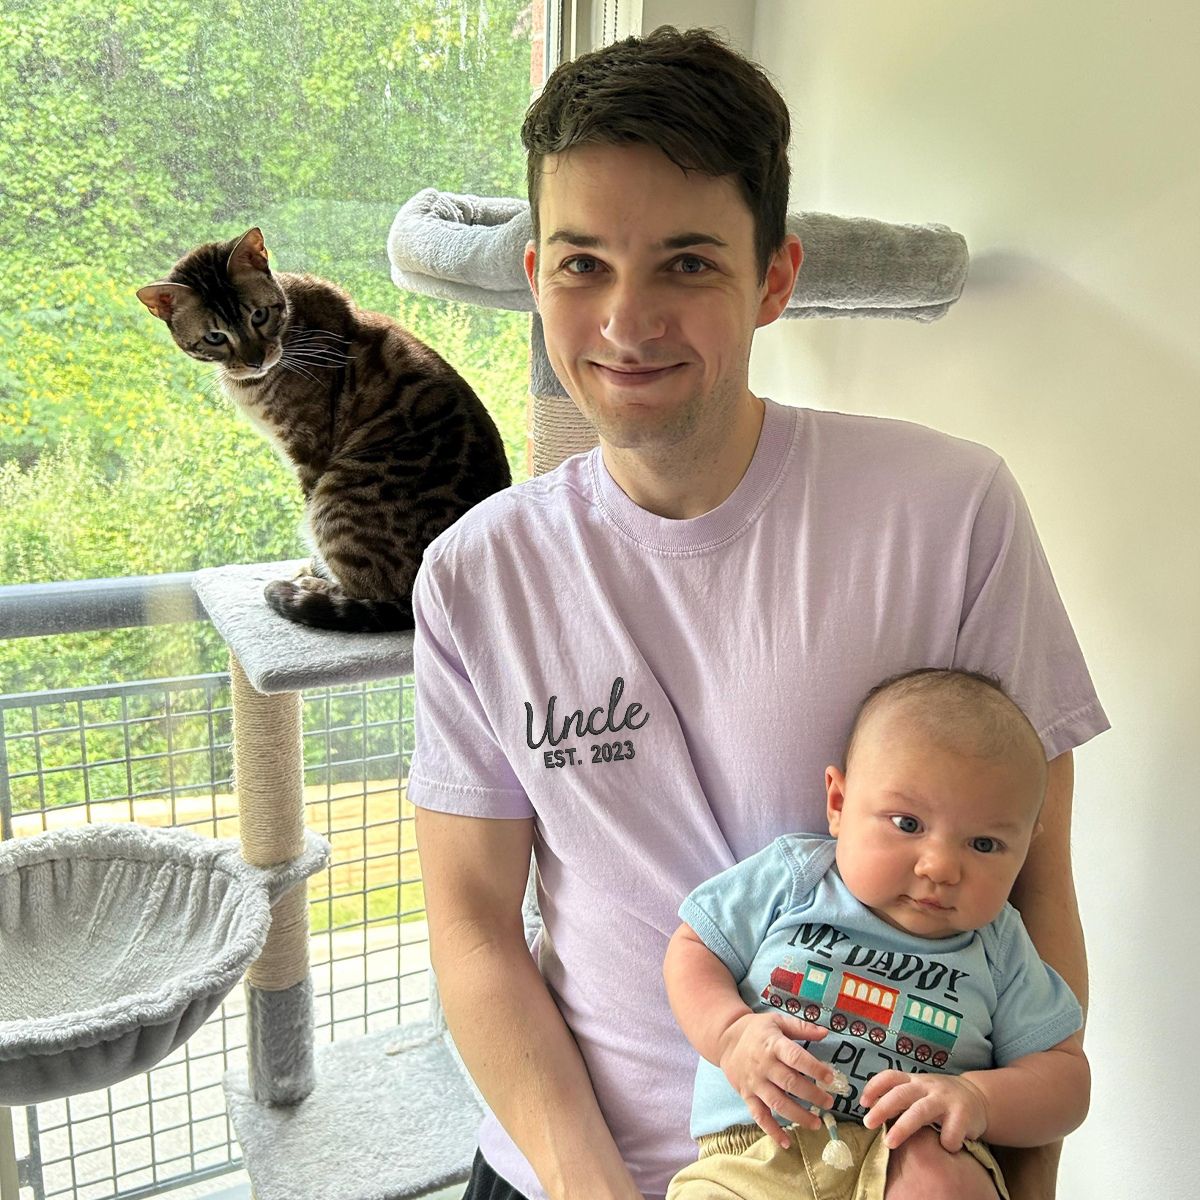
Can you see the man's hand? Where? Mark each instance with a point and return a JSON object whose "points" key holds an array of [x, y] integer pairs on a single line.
{"points": [[914, 1101], [762, 1061]]}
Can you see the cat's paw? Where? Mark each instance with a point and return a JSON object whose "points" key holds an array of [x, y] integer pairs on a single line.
{"points": [[310, 583]]}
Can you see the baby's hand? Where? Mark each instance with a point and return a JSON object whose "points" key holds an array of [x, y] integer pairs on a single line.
{"points": [[913, 1101], [763, 1062]]}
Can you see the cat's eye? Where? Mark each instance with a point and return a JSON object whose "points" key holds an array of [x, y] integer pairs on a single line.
{"points": [[214, 337], [259, 316]]}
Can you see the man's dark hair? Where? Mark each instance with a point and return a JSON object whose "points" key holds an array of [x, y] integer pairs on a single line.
{"points": [[705, 106]]}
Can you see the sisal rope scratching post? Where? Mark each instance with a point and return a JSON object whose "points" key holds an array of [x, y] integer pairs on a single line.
{"points": [[269, 776], [557, 429], [386, 1115]]}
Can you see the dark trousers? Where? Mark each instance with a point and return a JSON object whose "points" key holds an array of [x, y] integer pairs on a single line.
{"points": [[485, 1184]]}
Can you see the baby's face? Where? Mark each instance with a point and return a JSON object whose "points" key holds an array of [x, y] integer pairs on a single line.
{"points": [[929, 839]]}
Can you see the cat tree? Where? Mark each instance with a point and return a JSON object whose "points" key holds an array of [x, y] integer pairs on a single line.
{"points": [[390, 1114]]}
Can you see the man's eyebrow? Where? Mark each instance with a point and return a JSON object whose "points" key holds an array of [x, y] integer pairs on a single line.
{"points": [[678, 241], [681, 241], [574, 238]]}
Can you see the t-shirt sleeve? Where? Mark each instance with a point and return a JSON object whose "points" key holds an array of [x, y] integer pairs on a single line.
{"points": [[732, 911], [1035, 1009], [1014, 624], [458, 764]]}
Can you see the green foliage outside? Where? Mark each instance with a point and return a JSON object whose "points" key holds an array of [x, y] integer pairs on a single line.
{"points": [[135, 129]]}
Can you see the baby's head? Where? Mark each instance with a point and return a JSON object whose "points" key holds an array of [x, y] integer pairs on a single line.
{"points": [[938, 802]]}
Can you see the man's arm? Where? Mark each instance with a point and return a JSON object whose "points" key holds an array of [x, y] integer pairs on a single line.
{"points": [[504, 1021], [1044, 894]]}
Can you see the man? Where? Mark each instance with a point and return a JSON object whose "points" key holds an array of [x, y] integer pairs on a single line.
{"points": [[635, 664]]}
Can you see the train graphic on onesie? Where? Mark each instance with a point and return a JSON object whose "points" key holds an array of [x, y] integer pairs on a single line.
{"points": [[865, 1008]]}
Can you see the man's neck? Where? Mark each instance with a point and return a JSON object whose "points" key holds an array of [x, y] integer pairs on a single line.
{"points": [[692, 479]]}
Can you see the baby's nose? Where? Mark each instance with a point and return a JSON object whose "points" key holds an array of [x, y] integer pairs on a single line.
{"points": [[939, 864]]}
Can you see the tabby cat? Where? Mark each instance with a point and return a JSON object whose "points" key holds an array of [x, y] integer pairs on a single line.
{"points": [[389, 443]]}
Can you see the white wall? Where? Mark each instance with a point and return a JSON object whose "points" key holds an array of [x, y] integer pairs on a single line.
{"points": [[1059, 138]]}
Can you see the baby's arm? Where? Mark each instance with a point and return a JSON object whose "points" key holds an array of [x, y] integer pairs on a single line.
{"points": [[1034, 1100], [755, 1050]]}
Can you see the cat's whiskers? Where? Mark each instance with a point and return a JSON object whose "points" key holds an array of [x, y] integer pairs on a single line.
{"points": [[296, 369], [211, 391], [317, 352], [309, 331], [314, 361], [314, 340]]}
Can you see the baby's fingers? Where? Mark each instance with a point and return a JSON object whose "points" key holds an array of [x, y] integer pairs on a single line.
{"points": [[804, 1075], [916, 1116], [804, 1031], [881, 1084], [953, 1130], [764, 1119], [900, 1098]]}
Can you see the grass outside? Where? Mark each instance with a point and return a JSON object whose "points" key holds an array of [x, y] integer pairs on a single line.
{"points": [[374, 875]]}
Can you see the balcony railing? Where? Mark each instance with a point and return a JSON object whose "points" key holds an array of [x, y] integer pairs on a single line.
{"points": [[158, 752]]}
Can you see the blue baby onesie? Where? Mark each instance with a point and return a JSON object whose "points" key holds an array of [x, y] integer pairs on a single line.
{"points": [[794, 938]]}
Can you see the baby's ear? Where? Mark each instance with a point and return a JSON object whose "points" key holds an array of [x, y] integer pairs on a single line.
{"points": [[835, 797], [162, 299]]}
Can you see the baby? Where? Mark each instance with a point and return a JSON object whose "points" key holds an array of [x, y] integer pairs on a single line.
{"points": [[890, 953]]}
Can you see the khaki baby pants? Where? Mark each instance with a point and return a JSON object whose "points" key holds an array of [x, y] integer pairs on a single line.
{"points": [[743, 1163]]}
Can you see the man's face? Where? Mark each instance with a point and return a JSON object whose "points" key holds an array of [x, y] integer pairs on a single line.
{"points": [[648, 290]]}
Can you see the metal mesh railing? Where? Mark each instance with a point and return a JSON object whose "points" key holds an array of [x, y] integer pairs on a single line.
{"points": [[159, 753]]}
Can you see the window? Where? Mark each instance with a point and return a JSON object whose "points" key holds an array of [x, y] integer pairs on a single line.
{"points": [[135, 131], [132, 132]]}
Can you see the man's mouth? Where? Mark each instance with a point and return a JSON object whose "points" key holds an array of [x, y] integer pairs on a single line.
{"points": [[635, 376]]}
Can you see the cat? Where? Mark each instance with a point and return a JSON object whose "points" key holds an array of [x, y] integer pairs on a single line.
{"points": [[389, 443]]}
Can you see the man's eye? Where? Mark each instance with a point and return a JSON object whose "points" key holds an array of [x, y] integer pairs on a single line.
{"points": [[689, 264], [906, 824], [985, 845], [580, 265]]}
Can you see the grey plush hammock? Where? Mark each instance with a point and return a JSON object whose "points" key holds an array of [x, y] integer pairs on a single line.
{"points": [[116, 943]]}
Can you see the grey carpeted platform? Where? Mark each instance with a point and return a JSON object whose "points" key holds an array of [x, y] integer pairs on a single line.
{"points": [[277, 654], [392, 1115]]}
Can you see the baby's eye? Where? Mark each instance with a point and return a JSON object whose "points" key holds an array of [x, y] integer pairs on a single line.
{"points": [[906, 824], [986, 845]]}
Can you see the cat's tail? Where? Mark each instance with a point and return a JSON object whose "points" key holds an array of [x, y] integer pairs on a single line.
{"points": [[328, 607]]}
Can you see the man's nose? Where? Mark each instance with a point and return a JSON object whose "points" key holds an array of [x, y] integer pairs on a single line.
{"points": [[633, 315]]}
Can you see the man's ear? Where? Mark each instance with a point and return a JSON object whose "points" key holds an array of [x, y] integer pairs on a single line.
{"points": [[531, 269], [835, 797], [780, 280]]}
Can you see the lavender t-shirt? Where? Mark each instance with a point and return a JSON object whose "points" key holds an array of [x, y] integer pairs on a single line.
{"points": [[663, 696]]}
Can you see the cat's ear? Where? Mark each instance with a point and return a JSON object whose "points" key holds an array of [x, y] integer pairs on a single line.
{"points": [[162, 299], [249, 254]]}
